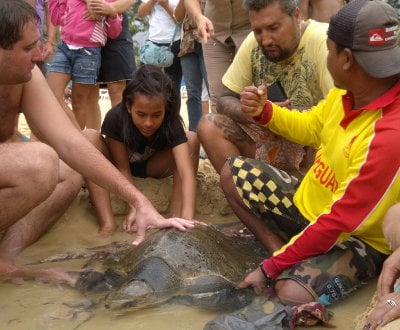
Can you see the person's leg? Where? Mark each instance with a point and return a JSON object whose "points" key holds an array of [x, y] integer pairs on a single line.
{"points": [[86, 111], [175, 70], [86, 66], [58, 82], [59, 75], [221, 138], [117, 62], [218, 57], [99, 196], [269, 239], [29, 175], [115, 90], [33, 225], [92, 103], [193, 80], [262, 197], [329, 277], [29, 208]]}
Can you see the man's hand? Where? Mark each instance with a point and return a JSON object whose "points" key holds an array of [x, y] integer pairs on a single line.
{"points": [[252, 100], [148, 218], [205, 27], [257, 280], [129, 221]]}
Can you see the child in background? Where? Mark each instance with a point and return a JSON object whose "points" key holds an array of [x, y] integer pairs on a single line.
{"points": [[78, 55], [145, 137]]}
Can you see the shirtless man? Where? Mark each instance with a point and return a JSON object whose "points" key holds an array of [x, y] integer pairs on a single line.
{"points": [[36, 186]]}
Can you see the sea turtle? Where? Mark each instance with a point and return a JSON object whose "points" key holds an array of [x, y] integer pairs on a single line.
{"points": [[200, 267]]}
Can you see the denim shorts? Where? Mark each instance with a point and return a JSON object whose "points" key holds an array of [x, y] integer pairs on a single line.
{"points": [[82, 64]]}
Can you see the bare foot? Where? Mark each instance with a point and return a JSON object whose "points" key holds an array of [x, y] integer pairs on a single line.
{"points": [[6, 267]]}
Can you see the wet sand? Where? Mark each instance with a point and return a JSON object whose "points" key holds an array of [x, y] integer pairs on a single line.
{"points": [[38, 305]]}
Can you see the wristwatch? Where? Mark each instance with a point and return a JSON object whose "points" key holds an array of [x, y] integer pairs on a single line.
{"points": [[268, 280]]}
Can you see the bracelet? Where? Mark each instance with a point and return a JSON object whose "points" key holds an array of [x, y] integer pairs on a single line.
{"points": [[265, 116], [268, 280]]}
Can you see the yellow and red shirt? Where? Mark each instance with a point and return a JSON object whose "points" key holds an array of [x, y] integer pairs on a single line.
{"points": [[355, 176]]}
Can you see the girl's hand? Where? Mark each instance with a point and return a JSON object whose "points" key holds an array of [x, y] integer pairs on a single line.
{"points": [[386, 310], [98, 9]]}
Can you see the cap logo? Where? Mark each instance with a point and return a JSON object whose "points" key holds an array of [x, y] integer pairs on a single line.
{"points": [[383, 36]]}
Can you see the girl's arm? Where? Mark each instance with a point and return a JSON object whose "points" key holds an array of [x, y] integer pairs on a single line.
{"points": [[119, 156], [187, 180], [114, 26], [144, 9]]}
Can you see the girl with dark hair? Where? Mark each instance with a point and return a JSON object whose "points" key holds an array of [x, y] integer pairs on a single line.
{"points": [[145, 137]]}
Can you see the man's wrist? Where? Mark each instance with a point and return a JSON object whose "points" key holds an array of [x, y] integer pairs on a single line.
{"points": [[268, 279], [265, 116]]}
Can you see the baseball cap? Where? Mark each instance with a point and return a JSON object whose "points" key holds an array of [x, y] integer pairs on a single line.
{"points": [[369, 28]]}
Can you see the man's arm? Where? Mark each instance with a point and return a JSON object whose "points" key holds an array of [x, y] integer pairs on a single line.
{"points": [[228, 103]]}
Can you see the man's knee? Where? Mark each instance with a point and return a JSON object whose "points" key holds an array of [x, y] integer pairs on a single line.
{"points": [[205, 128], [72, 181], [40, 164], [292, 293]]}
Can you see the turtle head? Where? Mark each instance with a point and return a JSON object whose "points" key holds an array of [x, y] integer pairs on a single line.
{"points": [[152, 282], [134, 295]]}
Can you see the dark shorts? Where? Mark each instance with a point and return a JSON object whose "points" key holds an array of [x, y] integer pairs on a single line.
{"points": [[268, 193], [139, 169], [117, 57]]}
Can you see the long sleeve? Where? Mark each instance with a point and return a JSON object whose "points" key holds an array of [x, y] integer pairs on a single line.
{"points": [[352, 183]]}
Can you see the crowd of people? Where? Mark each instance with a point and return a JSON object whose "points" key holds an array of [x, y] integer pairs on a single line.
{"points": [[303, 131]]}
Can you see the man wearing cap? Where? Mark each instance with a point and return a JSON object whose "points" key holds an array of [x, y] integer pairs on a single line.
{"points": [[283, 50], [325, 232]]}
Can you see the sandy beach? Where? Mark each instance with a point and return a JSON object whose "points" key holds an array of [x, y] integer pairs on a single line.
{"points": [[37, 305]]}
